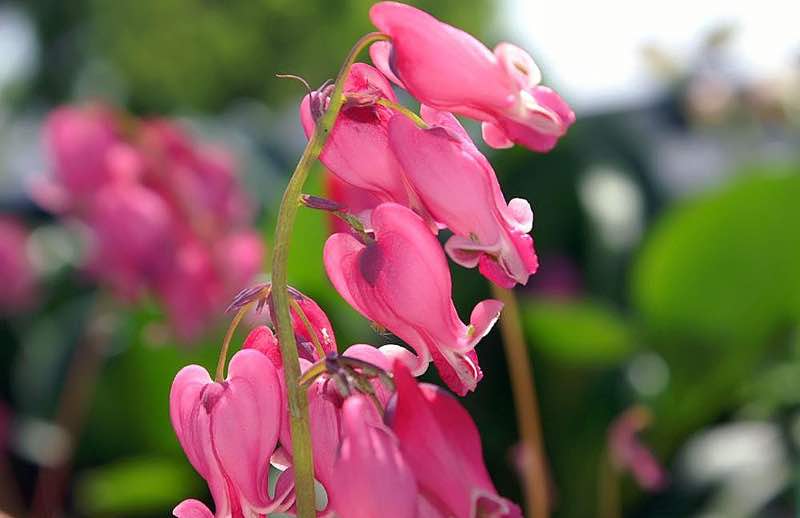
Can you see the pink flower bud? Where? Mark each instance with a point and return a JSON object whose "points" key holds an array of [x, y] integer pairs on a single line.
{"points": [[402, 282], [450, 70], [441, 444], [459, 188], [229, 430]]}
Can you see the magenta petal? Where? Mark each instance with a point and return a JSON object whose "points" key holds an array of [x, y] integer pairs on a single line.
{"points": [[192, 509], [372, 476], [495, 136], [381, 53], [402, 282], [245, 425], [460, 189], [442, 446]]}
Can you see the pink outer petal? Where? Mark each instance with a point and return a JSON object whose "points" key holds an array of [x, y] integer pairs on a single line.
{"points": [[262, 339], [381, 54], [357, 150], [438, 63], [442, 446], [371, 474], [192, 509], [190, 418], [245, 425], [184, 407], [459, 188], [495, 136], [382, 281]]}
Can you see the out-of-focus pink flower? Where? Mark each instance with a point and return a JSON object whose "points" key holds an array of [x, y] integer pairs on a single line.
{"points": [[459, 188], [357, 149], [19, 278], [629, 454], [372, 477], [450, 70], [229, 430], [165, 214], [132, 238], [198, 180], [80, 143], [402, 282], [441, 444]]}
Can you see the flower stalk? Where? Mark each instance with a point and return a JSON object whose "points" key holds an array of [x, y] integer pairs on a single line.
{"points": [[297, 398], [533, 462]]}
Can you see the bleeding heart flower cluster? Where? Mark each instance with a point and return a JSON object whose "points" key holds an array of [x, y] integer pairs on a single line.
{"points": [[381, 440], [383, 444], [163, 215]]}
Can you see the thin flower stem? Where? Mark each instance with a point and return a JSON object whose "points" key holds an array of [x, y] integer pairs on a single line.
{"points": [[534, 464], [297, 398], [307, 324], [416, 119], [226, 342]]}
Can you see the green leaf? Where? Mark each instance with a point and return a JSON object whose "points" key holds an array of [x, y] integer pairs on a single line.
{"points": [[577, 332], [135, 486], [724, 267], [716, 286]]}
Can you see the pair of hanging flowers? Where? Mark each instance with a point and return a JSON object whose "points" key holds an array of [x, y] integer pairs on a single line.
{"points": [[381, 441]]}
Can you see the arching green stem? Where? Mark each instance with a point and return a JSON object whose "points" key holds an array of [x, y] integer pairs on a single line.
{"points": [[297, 398]]}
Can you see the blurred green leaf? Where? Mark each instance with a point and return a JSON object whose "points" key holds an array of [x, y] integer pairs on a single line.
{"points": [[716, 287], [577, 332], [134, 486], [724, 267]]}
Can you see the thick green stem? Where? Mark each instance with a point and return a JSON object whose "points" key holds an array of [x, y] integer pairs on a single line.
{"points": [[534, 464], [297, 398]]}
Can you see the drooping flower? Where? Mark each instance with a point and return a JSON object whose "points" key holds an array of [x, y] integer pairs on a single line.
{"points": [[401, 281], [450, 70], [229, 430], [372, 476], [459, 188], [441, 444]]}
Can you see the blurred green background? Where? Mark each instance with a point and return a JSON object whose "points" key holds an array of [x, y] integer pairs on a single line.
{"points": [[667, 226]]}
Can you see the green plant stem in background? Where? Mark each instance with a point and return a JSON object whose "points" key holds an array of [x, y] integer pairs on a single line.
{"points": [[608, 489], [74, 403], [297, 398], [533, 463]]}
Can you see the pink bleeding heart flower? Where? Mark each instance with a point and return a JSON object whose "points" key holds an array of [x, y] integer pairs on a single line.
{"points": [[450, 70], [229, 430], [402, 282], [79, 142], [132, 237], [357, 149], [441, 444], [628, 453], [460, 189], [372, 477]]}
